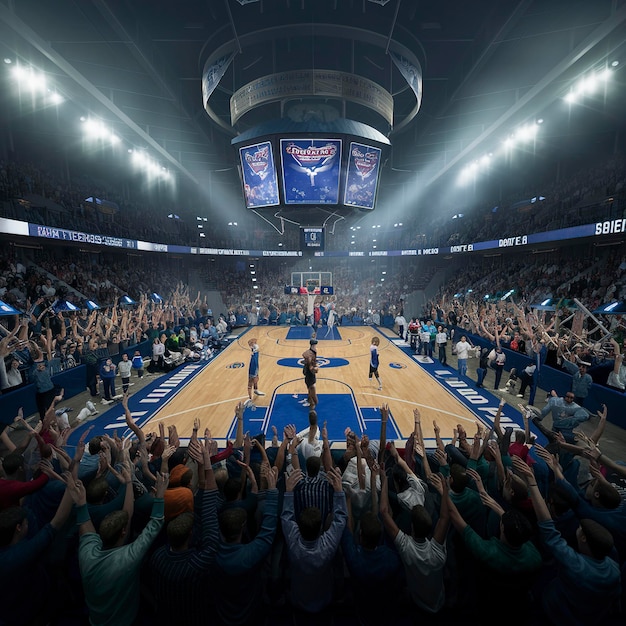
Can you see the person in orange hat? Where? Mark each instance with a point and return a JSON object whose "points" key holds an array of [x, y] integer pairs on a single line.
{"points": [[178, 496]]}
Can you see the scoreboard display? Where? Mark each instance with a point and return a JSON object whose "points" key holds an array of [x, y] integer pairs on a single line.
{"points": [[312, 238]]}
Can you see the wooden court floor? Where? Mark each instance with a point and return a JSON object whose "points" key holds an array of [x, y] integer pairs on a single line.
{"points": [[212, 395]]}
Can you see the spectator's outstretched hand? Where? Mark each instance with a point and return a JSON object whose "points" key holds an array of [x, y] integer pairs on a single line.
{"points": [[293, 479], [439, 483], [489, 502], [440, 457], [334, 478], [162, 481], [475, 476], [76, 489]]}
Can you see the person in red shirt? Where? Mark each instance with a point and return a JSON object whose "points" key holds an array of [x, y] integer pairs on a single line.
{"points": [[14, 487]]}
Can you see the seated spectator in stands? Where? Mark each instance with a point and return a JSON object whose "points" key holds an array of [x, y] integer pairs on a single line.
{"points": [[221, 326], [171, 343], [310, 548]]}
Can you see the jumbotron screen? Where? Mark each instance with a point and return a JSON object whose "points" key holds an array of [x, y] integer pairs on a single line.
{"points": [[315, 172], [310, 169], [258, 171]]}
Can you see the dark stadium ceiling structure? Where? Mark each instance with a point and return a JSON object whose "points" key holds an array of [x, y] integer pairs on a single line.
{"points": [[487, 66]]}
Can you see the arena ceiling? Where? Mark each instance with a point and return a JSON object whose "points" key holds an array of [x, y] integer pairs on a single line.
{"points": [[488, 66]]}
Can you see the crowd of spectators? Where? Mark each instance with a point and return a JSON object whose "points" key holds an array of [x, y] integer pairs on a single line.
{"points": [[152, 531], [149, 531], [500, 292], [581, 196]]}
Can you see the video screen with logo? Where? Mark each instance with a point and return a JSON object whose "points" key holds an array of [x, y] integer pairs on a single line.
{"points": [[362, 176], [311, 169], [260, 182]]}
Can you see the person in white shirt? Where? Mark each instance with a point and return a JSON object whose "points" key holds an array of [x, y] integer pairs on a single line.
{"points": [[401, 323], [47, 289], [462, 353], [441, 340], [221, 326], [330, 321]]}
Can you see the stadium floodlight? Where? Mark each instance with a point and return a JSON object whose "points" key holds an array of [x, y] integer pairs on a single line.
{"points": [[29, 79], [55, 98]]}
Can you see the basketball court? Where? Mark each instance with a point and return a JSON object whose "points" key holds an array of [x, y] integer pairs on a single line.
{"points": [[210, 391]]}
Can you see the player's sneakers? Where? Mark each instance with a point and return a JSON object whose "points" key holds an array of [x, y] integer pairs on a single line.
{"points": [[247, 403], [302, 401], [258, 393], [380, 387], [305, 403]]}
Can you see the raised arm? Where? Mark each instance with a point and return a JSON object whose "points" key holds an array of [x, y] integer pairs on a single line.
{"points": [[385, 512], [239, 434], [420, 447], [441, 528], [360, 471], [496, 420], [327, 457], [599, 429], [399, 460], [539, 504], [282, 450], [384, 417], [130, 422], [438, 440]]}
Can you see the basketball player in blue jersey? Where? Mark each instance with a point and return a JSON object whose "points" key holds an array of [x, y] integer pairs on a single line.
{"points": [[374, 361], [253, 373]]}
